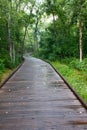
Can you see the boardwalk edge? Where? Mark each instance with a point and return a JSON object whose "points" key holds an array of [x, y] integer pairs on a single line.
{"points": [[84, 104], [11, 75]]}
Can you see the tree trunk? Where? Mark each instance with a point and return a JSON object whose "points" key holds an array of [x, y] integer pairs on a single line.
{"points": [[11, 44], [9, 32], [36, 47], [24, 41], [80, 40], [55, 29], [13, 50]]}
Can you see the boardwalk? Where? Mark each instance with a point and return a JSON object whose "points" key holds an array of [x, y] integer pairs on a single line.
{"points": [[36, 98]]}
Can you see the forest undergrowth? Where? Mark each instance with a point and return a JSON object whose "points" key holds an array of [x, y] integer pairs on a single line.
{"points": [[75, 73]]}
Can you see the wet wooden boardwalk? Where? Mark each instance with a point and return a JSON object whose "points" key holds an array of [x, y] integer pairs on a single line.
{"points": [[36, 98]]}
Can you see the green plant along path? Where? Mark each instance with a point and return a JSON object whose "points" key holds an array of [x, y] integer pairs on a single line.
{"points": [[76, 77]]}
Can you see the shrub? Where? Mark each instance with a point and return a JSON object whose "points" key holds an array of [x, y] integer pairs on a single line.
{"points": [[8, 64], [2, 68], [67, 60], [52, 57], [82, 66]]}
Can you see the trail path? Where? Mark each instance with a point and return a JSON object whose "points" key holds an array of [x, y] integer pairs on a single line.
{"points": [[36, 98]]}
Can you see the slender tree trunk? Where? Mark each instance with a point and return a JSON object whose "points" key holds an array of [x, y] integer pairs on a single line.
{"points": [[9, 32], [80, 40], [17, 4], [36, 47], [55, 28], [11, 44], [24, 40], [13, 50], [11, 55]]}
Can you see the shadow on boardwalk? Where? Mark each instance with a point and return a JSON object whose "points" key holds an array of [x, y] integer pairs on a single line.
{"points": [[36, 98]]}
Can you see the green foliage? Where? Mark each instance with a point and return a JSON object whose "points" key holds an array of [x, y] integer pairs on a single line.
{"points": [[13, 19], [75, 63], [82, 66], [5, 59], [77, 78], [8, 64], [63, 46], [2, 68], [61, 38]]}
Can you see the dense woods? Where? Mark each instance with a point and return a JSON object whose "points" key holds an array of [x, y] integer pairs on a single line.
{"points": [[67, 34], [51, 29], [15, 18]]}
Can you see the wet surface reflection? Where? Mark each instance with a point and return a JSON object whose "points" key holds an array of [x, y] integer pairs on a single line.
{"points": [[36, 98]]}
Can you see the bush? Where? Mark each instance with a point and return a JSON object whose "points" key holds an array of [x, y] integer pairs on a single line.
{"points": [[67, 60], [2, 68], [8, 64], [52, 57], [78, 79], [75, 63], [82, 66]]}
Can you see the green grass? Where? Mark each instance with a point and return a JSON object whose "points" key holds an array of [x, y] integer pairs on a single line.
{"points": [[77, 78], [5, 74]]}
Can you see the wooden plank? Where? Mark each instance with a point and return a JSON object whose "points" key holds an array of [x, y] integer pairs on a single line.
{"points": [[36, 98]]}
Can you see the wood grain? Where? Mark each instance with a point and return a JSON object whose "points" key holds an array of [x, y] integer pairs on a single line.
{"points": [[36, 98]]}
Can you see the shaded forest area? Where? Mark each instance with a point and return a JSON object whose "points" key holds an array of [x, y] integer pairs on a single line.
{"points": [[66, 36], [50, 29], [22, 21], [15, 17]]}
